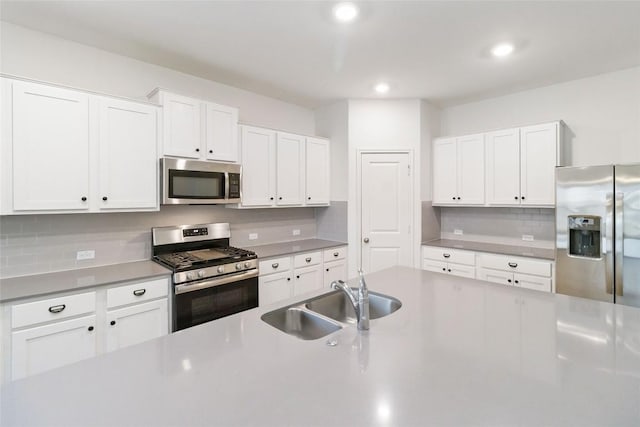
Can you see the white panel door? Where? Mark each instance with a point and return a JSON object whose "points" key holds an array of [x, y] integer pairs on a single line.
{"points": [[445, 173], [182, 126], [137, 323], [53, 345], [127, 146], [274, 287], [471, 176], [307, 279], [317, 172], [290, 160], [538, 160], [503, 167], [50, 148], [334, 270], [258, 166], [386, 193], [221, 132]]}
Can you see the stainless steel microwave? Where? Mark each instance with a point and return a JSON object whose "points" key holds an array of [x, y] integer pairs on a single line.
{"points": [[195, 182]]}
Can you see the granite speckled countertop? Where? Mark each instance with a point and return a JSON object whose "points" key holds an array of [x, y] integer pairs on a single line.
{"points": [[288, 248], [459, 352], [524, 251], [37, 285]]}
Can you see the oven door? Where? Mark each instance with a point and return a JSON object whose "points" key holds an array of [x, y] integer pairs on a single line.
{"points": [[199, 302]]}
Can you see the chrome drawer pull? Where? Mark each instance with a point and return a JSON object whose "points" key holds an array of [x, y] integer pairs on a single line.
{"points": [[139, 292], [308, 259], [513, 264], [57, 308], [446, 255], [275, 265]]}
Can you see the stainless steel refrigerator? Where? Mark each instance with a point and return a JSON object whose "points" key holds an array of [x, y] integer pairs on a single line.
{"points": [[598, 233]]}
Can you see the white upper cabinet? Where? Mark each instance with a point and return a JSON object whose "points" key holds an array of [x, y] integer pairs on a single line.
{"points": [[197, 129], [65, 150], [521, 165], [221, 132], [290, 161], [458, 170], [282, 169], [258, 166], [318, 182], [127, 141], [50, 147]]}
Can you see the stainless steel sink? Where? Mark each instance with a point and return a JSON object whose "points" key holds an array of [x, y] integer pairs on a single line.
{"points": [[312, 318], [300, 323], [337, 306]]}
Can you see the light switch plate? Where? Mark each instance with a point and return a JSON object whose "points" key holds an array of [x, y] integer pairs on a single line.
{"points": [[80, 255], [253, 236]]}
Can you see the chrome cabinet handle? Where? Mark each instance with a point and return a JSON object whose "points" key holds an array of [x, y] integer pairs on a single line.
{"points": [[446, 255], [139, 292], [57, 308], [275, 265], [513, 264], [308, 259], [366, 240]]}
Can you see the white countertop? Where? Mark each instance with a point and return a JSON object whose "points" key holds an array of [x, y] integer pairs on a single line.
{"points": [[523, 251], [458, 352], [292, 247]]}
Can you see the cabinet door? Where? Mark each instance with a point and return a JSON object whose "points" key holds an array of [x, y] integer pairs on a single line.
{"points": [[317, 172], [274, 287], [435, 266], [471, 176], [445, 171], [307, 279], [290, 169], [503, 167], [334, 270], [182, 126], [461, 270], [538, 160], [495, 276], [221, 132], [127, 140], [53, 345], [137, 323], [258, 166], [50, 148], [532, 282]]}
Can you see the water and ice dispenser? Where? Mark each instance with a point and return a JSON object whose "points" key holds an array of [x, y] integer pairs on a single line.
{"points": [[584, 236]]}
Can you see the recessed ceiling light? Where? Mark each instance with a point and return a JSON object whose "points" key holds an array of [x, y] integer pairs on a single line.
{"points": [[345, 12], [381, 88], [502, 49]]}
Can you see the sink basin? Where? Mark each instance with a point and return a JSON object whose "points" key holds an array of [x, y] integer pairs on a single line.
{"points": [[300, 323], [336, 305]]}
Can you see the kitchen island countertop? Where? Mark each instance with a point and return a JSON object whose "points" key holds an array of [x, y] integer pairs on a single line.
{"points": [[458, 352]]}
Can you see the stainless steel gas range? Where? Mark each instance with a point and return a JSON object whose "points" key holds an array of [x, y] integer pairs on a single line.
{"points": [[210, 278]]}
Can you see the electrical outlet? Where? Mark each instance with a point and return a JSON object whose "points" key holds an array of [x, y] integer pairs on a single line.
{"points": [[457, 231], [85, 255], [296, 232], [527, 237], [253, 236]]}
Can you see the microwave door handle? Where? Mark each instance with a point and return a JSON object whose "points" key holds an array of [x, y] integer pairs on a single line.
{"points": [[619, 248], [226, 185]]}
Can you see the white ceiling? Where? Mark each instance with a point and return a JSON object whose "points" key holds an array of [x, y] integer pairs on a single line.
{"points": [[294, 51]]}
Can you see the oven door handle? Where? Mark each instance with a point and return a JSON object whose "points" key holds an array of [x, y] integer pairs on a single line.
{"points": [[196, 286]]}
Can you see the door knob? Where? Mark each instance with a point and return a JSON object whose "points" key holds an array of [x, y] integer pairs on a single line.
{"points": [[366, 240]]}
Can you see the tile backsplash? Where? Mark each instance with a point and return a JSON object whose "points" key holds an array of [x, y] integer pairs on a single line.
{"points": [[31, 244], [332, 221]]}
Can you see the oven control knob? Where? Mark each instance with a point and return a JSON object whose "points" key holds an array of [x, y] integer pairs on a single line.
{"points": [[239, 266], [201, 273], [191, 275], [247, 264], [221, 269]]}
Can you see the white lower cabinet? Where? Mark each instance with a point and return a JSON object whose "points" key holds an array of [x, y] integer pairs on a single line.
{"points": [[449, 261], [284, 277], [53, 332]]}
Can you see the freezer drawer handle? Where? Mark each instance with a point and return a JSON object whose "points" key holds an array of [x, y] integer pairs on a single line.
{"points": [[57, 308], [139, 292], [513, 264], [446, 255]]}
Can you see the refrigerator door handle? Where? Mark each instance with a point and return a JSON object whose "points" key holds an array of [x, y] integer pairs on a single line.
{"points": [[607, 240], [619, 249]]}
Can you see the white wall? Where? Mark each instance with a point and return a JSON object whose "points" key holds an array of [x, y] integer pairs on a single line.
{"points": [[602, 114], [40, 56], [332, 121], [431, 117], [376, 125]]}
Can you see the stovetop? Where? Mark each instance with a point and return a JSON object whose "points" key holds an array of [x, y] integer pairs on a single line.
{"points": [[187, 260]]}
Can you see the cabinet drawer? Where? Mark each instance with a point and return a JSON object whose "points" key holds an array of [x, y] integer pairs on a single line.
{"points": [[515, 264], [335, 253], [52, 309], [274, 265], [137, 292], [449, 255], [304, 260]]}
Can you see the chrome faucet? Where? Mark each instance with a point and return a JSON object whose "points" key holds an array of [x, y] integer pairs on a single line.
{"points": [[361, 303]]}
